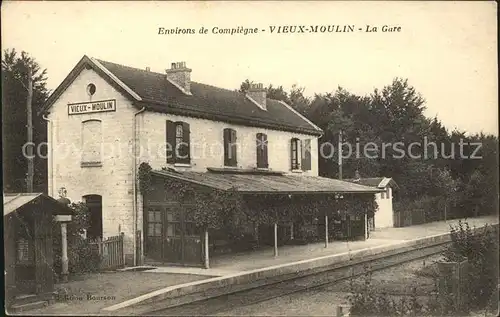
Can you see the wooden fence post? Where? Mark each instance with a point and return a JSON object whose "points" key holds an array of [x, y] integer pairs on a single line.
{"points": [[206, 245], [275, 239], [121, 248], [99, 245], [326, 231]]}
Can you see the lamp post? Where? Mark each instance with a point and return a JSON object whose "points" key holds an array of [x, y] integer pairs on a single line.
{"points": [[64, 219]]}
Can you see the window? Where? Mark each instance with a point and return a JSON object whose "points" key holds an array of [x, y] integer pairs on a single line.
{"points": [[306, 155], [174, 228], [295, 146], [262, 161], [91, 142], [154, 223], [178, 134], [178, 142], [388, 192], [91, 89], [190, 228], [230, 147]]}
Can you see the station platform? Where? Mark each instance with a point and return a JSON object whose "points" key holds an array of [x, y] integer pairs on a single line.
{"points": [[237, 272], [234, 263]]}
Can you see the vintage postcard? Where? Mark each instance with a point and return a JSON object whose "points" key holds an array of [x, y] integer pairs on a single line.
{"points": [[264, 158]]}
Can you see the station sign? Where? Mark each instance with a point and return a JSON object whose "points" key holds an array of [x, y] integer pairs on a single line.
{"points": [[92, 107]]}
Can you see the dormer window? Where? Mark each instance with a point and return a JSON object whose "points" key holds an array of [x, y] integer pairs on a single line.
{"points": [[295, 148], [261, 140], [178, 143], [230, 148]]}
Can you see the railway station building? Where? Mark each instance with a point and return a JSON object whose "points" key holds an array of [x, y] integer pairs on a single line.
{"points": [[106, 119]]}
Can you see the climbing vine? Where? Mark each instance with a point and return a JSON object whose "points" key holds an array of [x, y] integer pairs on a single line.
{"points": [[144, 176], [229, 209]]}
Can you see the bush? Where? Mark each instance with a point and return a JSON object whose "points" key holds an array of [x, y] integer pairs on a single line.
{"points": [[480, 248], [82, 256], [365, 302]]}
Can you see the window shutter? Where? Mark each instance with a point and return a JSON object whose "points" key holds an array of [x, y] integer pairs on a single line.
{"points": [[264, 152], [170, 146], [293, 162], [299, 152], [233, 159], [227, 139], [184, 149], [306, 155]]}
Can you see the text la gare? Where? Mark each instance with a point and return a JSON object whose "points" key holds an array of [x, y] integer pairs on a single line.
{"points": [[385, 28]]}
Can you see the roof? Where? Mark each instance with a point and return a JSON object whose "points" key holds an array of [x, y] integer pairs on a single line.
{"points": [[272, 183], [154, 92], [378, 182], [14, 201]]}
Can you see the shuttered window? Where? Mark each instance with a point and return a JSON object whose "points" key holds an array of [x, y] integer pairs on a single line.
{"points": [[230, 147], [91, 142], [178, 142], [306, 155], [295, 148], [261, 140]]}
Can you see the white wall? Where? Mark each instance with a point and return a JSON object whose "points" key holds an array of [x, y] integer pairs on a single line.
{"points": [[384, 214], [113, 180], [207, 144]]}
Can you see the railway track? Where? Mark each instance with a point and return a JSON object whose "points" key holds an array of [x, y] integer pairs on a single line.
{"points": [[334, 274]]}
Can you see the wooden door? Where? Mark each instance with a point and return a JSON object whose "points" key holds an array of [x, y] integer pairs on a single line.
{"points": [[154, 232], [357, 224], [172, 235], [192, 246], [25, 264], [43, 254]]}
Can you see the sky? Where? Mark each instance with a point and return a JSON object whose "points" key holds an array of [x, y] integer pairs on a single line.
{"points": [[446, 50]]}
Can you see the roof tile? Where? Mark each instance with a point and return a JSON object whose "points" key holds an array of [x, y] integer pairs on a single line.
{"points": [[154, 88]]}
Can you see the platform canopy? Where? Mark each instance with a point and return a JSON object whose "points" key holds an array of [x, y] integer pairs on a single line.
{"points": [[15, 201], [378, 182], [261, 182]]}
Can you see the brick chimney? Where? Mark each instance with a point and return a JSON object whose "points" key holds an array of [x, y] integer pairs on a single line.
{"points": [[180, 76], [257, 93]]}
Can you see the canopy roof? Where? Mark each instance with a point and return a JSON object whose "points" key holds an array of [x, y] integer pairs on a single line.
{"points": [[258, 183], [379, 182], [15, 201]]}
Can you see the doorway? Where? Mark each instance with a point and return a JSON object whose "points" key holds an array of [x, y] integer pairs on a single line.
{"points": [[94, 205], [172, 236]]}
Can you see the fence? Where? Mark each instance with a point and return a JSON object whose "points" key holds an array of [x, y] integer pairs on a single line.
{"points": [[409, 217], [405, 216], [110, 251]]}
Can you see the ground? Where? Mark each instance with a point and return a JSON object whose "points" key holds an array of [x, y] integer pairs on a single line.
{"points": [[324, 301], [117, 286], [122, 286]]}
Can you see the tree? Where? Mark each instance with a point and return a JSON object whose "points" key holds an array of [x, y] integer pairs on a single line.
{"points": [[391, 115], [14, 95]]}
